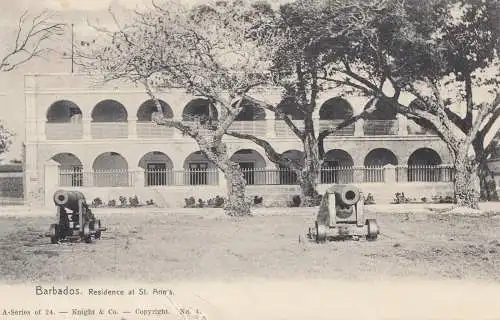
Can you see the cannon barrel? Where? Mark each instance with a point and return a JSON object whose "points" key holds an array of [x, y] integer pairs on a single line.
{"points": [[345, 195], [68, 199]]}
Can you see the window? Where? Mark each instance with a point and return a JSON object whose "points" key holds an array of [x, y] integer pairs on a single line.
{"points": [[248, 171], [156, 174], [198, 173]]}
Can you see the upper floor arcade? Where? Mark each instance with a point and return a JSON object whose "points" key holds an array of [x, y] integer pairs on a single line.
{"points": [[74, 109]]}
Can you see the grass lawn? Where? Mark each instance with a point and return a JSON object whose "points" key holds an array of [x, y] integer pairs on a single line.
{"points": [[198, 244]]}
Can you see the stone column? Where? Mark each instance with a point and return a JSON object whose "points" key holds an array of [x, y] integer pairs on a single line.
{"points": [[50, 181], [390, 173], [358, 128], [402, 125], [132, 128], [87, 130]]}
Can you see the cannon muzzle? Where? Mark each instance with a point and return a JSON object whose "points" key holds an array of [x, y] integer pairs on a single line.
{"points": [[345, 195], [68, 199]]}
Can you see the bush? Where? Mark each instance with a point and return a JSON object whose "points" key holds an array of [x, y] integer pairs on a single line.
{"points": [[369, 199], [257, 200], [123, 201], [111, 203], [200, 204], [133, 201], [400, 198], [150, 202], [97, 202], [189, 202], [296, 201]]}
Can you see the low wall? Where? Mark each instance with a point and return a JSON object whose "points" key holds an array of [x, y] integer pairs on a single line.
{"points": [[273, 195]]}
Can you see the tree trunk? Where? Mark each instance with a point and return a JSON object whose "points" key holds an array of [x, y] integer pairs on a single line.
{"points": [[488, 185], [466, 183], [308, 180], [237, 204]]}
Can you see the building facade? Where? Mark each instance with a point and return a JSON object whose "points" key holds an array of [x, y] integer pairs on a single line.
{"points": [[100, 139]]}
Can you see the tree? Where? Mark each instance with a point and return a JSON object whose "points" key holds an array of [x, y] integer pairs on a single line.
{"points": [[293, 35], [440, 52], [29, 42], [199, 49]]}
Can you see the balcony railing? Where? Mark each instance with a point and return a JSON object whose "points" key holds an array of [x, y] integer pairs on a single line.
{"points": [[109, 130], [150, 130], [63, 131], [256, 128], [256, 176], [112, 130], [380, 127], [282, 130], [415, 129], [346, 131]]}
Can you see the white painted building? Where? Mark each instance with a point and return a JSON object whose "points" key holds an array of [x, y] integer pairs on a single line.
{"points": [[100, 139]]}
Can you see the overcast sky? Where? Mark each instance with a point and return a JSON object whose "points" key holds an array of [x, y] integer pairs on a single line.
{"points": [[77, 12]]}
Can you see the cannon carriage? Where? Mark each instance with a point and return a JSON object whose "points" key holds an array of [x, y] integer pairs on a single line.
{"points": [[77, 224], [341, 216]]}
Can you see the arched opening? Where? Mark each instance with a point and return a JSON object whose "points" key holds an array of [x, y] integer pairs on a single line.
{"points": [[333, 112], [145, 128], [109, 111], [157, 169], [335, 109], [70, 169], [291, 108], [64, 111], [147, 108], [286, 175], [199, 170], [382, 121], [64, 121], [199, 110], [337, 167], [109, 120], [110, 170], [250, 112], [423, 165], [252, 164], [374, 163]]}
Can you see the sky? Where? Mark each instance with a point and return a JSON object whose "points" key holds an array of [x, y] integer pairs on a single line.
{"points": [[75, 12]]}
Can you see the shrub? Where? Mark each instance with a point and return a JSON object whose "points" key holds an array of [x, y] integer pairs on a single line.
{"points": [[200, 204], [111, 203], [189, 202], [150, 202], [369, 199], [400, 198], [97, 202], [133, 201], [296, 201], [257, 200], [123, 201]]}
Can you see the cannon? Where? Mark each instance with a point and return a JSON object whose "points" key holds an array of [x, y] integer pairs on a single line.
{"points": [[77, 224], [341, 216]]}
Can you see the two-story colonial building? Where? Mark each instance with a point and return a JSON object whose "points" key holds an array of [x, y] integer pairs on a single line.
{"points": [[100, 139]]}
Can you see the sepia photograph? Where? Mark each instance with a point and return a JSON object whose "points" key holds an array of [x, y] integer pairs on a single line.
{"points": [[250, 159]]}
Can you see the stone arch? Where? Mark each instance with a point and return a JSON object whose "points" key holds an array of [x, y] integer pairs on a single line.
{"points": [[335, 109], [252, 163], [250, 112], [290, 107], [70, 169], [157, 169], [199, 170], [337, 167], [374, 162], [110, 170], [383, 111], [64, 111], [148, 107], [287, 176], [423, 165], [199, 109], [109, 111]]}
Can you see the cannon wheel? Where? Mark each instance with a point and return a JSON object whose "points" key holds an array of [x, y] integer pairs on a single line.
{"points": [[373, 230], [54, 233], [320, 233], [86, 233], [98, 231]]}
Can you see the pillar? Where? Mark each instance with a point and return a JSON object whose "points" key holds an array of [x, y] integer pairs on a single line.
{"points": [[50, 181], [390, 174], [358, 128], [87, 130], [402, 125]]}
